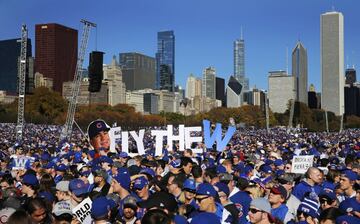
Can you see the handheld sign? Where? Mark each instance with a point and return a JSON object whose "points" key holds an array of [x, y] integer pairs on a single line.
{"points": [[115, 135], [21, 162], [83, 211], [301, 164]]}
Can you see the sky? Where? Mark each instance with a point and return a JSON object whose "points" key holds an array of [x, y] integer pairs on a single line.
{"points": [[204, 30]]}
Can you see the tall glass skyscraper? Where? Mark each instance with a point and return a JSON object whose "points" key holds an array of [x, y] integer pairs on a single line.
{"points": [[300, 71], [239, 63], [165, 61]]}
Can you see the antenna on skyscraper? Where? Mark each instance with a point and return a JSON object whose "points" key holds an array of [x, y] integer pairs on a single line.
{"points": [[287, 61], [241, 33]]}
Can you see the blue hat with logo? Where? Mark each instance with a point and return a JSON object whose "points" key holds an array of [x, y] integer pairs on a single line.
{"points": [[206, 189], [175, 163], [30, 179], [140, 183], [327, 195], [123, 179], [95, 127], [123, 155], [78, 187], [266, 169], [349, 205], [100, 207], [105, 159], [220, 169], [189, 185]]}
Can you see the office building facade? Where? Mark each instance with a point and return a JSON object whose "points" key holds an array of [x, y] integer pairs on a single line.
{"points": [[56, 51], [350, 76], [209, 83], [9, 64], [233, 93], [138, 71], [220, 91], [281, 90], [165, 61], [332, 62]]}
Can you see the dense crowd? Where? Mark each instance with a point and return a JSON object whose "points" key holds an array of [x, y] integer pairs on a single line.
{"points": [[44, 180]]}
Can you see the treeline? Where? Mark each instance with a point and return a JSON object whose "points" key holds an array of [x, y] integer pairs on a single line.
{"points": [[48, 107]]}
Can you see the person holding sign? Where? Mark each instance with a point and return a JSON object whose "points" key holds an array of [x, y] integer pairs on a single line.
{"points": [[98, 133]]}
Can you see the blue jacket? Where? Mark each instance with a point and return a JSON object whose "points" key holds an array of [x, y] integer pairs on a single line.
{"points": [[302, 188]]}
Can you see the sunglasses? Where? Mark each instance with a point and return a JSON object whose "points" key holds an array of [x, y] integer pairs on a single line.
{"points": [[200, 199], [299, 213], [254, 210]]}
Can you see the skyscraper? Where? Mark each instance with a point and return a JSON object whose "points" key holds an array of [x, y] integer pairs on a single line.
{"points": [[138, 71], [165, 61], [239, 63], [9, 59], [299, 71], [209, 83], [193, 87], [233, 93], [220, 91], [281, 90], [56, 48], [350, 75], [332, 62]]}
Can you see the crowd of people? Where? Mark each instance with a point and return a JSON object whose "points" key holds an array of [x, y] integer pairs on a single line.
{"points": [[44, 180]]}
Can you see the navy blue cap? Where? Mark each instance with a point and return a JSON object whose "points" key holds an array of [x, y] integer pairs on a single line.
{"points": [[351, 175], [266, 169], [206, 189], [78, 187], [61, 168], [149, 171], [123, 179], [105, 159], [175, 163], [347, 219], [95, 127], [328, 195], [349, 205], [205, 217], [140, 183], [30, 179], [220, 169], [100, 207], [278, 162], [223, 187], [189, 185], [123, 155]]}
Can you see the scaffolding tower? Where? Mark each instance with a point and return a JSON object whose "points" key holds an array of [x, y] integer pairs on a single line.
{"points": [[67, 129]]}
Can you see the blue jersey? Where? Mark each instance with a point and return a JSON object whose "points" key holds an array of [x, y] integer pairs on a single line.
{"points": [[242, 202], [301, 189]]}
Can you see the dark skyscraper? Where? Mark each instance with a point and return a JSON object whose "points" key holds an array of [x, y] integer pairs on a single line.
{"points": [[350, 75], [165, 61], [138, 71], [9, 59], [56, 49], [352, 101], [220, 91]]}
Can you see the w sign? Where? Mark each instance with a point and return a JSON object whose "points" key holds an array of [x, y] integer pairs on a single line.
{"points": [[21, 162]]}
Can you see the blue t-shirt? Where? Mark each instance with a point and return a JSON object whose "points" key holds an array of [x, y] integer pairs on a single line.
{"points": [[242, 202], [280, 212]]}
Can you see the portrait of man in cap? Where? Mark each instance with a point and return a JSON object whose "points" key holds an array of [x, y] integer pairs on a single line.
{"points": [[98, 134]]}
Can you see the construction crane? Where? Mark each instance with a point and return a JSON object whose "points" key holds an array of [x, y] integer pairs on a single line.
{"points": [[67, 129], [21, 86]]}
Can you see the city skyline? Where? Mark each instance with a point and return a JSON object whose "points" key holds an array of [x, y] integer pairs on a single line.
{"points": [[201, 40]]}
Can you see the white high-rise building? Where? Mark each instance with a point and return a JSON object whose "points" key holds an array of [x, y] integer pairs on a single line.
{"points": [[193, 87], [113, 76], [209, 83], [332, 62], [233, 93], [300, 72], [281, 90]]}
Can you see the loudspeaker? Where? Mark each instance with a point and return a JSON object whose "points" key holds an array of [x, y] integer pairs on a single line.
{"points": [[95, 71]]}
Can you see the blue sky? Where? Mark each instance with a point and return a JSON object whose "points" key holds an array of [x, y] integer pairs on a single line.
{"points": [[204, 30]]}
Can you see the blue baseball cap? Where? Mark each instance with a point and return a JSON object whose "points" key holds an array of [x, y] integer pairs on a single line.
{"points": [[205, 217], [266, 169], [105, 159], [220, 169], [206, 189], [278, 162], [100, 207], [123, 179], [189, 185], [349, 205], [61, 168], [140, 183], [30, 179], [347, 219], [351, 175], [223, 187], [95, 127], [78, 187], [175, 163], [149, 171], [49, 165], [123, 155], [327, 195]]}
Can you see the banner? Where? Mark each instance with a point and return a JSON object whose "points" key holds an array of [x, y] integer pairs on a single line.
{"points": [[300, 164], [21, 162], [83, 211]]}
